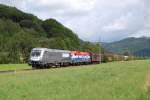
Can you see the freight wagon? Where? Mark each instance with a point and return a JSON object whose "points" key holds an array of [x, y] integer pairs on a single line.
{"points": [[95, 58]]}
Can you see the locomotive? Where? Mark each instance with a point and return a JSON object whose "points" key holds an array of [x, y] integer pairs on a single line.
{"points": [[46, 58]]}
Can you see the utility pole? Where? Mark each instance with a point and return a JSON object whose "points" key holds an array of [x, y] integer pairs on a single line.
{"points": [[100, 58]]}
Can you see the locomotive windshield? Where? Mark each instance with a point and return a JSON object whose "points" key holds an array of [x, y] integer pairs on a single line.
{"points": [[36, 53]]}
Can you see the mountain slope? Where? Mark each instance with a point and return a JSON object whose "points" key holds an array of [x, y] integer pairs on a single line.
{"points": [[20, 32], [136, 46]]}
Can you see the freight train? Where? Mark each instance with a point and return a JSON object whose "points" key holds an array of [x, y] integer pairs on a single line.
{"points": [[46, 58]]}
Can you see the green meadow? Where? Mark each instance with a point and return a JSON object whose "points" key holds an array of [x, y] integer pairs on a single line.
{"points": [[126, 80]]}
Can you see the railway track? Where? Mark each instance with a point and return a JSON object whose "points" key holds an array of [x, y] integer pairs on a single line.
{"points": [[19, 70], [14, 71]]}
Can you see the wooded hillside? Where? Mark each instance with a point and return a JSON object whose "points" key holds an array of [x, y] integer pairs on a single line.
{"points": [[135, 46], [20, 32]]}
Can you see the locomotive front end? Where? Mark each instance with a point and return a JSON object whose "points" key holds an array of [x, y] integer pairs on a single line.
{"points": [[36, 57]]}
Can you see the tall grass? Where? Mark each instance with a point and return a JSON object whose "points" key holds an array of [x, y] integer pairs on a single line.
{"points": [[110, 81]]}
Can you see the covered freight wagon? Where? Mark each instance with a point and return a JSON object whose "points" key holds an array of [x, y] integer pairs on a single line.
{"points": [[95, 58]]}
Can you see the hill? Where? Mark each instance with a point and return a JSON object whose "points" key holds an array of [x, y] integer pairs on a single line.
{"points": [[136, 46], [20, 32], [127, 80]]}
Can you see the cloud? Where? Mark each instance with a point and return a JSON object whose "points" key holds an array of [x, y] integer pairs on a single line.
{"points": [[109, 19], [145, 30], [118, 24]]}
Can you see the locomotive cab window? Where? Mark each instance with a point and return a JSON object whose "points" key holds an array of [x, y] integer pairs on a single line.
{"points": [[36, 53]]}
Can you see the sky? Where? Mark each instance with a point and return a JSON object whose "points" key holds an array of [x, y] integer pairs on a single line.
{"points": [[93, 20]]}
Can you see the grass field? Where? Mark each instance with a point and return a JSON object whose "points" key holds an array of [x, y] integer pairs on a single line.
{"points": [[13, 66], [110, 81]]}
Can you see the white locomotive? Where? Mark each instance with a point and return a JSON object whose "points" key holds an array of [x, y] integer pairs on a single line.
{"points": [[44, 58]]}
